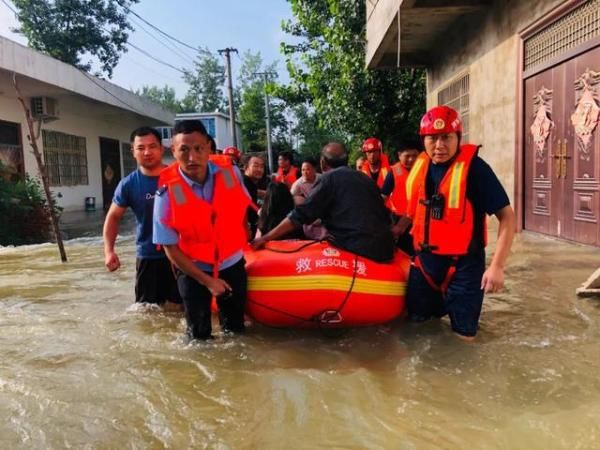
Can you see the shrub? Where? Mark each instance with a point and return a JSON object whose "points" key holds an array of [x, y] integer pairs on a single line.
{"points": [[24, 217]]}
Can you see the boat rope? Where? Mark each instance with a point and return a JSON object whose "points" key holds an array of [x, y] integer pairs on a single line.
{"points": [[325, 318]]}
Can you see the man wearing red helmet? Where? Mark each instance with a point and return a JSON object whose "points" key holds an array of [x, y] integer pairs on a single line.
{"points": [[449, 192], [377, 165], [233, 153]]}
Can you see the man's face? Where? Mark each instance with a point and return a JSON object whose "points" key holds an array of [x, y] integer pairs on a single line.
{"points": [[283, 163], [441, 147], [255, 169], [407, 157], [374, 157], [359, 163], [308, 172], [191, 152], [147, 151]]}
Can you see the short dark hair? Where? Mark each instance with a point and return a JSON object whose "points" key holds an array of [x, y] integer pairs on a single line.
{"points": [[287, 155], [213, 144], [145, 131], [189, 127], [312, 161], [335, 159], [412, 143]]}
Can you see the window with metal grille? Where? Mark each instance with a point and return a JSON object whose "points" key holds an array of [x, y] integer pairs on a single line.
{"points": [[575, 28], [65, 156], [456, 95], [129, 162]]}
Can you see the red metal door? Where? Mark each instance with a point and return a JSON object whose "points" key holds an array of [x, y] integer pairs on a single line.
{"points": [[562, 150]]}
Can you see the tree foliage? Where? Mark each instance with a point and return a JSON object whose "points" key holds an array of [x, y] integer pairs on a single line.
{"points": [[71, 30], [310, 134], [327, 71], [165, 96], [252, 113], [205, 81]]}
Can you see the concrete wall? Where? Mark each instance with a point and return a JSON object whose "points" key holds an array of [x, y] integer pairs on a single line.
{"points": [[489, 52], [81, 117]]}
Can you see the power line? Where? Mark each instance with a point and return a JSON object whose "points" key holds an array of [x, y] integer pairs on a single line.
{"points": [[159, 30], [95, 81], [144, 52], [10, 7], [168, 46]]}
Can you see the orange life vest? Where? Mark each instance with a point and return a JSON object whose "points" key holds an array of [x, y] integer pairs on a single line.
{"points": [[208, 232], [452, 234], [397, 198], [383, 170], [287, 178]]}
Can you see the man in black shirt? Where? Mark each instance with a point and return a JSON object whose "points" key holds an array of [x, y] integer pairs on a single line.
{"points": [[253, 174], [349, 205]]}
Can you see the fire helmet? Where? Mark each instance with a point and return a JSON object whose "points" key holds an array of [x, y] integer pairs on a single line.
{"points": [[440, 120], [371, 144]]}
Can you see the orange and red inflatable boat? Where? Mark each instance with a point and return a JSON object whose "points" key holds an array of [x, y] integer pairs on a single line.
{"points": [[313, 284]]}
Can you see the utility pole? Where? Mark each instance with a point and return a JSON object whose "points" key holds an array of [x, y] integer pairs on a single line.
{"points": [[265, 76], [232, 126]]}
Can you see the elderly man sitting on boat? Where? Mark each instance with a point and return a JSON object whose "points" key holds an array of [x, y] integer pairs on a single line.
{"points": [[348, 204]]}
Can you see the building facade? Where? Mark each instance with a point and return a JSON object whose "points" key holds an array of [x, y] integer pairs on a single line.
{"points": [[82, 125], [525, 76]]}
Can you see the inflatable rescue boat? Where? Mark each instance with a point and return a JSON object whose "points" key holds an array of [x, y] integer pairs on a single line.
{"points": [[313, 284]]}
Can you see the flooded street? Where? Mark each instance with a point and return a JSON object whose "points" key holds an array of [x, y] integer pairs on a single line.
{"points": [[80, 367]]}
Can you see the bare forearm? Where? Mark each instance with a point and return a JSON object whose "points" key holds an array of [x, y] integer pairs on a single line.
{"points": [[285, 226], [506, 234], [110, 232]]}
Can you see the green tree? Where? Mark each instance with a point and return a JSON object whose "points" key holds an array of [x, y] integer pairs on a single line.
{"points": [[309, 132], [71, 30], [252, 113], [165, 96], [205, 81], [327, 70]]}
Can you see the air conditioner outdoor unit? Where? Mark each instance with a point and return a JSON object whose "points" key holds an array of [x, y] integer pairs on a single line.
{"points": [[44, 108]]}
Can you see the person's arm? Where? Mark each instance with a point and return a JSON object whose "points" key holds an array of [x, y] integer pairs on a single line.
{"points": [[216, 286], [109, 235], [388, 185], [401, 226], [285, 226], [493, 278]]}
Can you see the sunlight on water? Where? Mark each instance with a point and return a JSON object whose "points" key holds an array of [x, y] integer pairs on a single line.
{"points": [[82, 367]]}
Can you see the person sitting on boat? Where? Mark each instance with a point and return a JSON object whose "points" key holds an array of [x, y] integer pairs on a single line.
{"points": [[349, 205], [301, 189], [277, 205], [200, 220], [449, 192]]}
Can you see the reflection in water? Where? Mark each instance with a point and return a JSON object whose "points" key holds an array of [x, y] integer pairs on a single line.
{"points": [[81, 367]]}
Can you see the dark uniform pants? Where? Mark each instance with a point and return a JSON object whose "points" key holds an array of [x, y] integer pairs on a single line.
{"points": [[197, 302]]}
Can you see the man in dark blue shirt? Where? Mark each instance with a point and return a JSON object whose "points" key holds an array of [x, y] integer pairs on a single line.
{"points": [[349, 206], [155, 282], [443, 279]]}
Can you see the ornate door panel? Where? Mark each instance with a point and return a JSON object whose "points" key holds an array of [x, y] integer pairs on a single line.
{"points": [[581, 154], [562, 150], [543, 104]]}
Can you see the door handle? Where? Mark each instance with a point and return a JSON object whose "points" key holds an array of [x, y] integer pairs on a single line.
{"points": [[557, 158], [563, 160]]}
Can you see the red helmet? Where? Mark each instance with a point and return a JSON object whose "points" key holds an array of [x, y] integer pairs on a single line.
{"points": [[440, 119], [371, 144], [232, 151]]}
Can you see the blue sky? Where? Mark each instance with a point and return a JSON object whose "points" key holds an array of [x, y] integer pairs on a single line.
{"points": [[243, 24]]}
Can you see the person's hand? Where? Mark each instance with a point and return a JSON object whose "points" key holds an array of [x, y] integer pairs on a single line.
{"points": [[217, 287], [111, 261], [258, 243], [401, 226], [493, 279]]}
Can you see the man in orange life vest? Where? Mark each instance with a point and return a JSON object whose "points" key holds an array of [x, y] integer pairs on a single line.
{"points": [[377, 165], [394, 192], [200, 220], [286, 173], [234, 154], [449, 192]]}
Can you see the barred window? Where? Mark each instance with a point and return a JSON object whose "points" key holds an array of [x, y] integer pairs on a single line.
{"points": [[65, 156], [129, 162], [456, 95]]}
